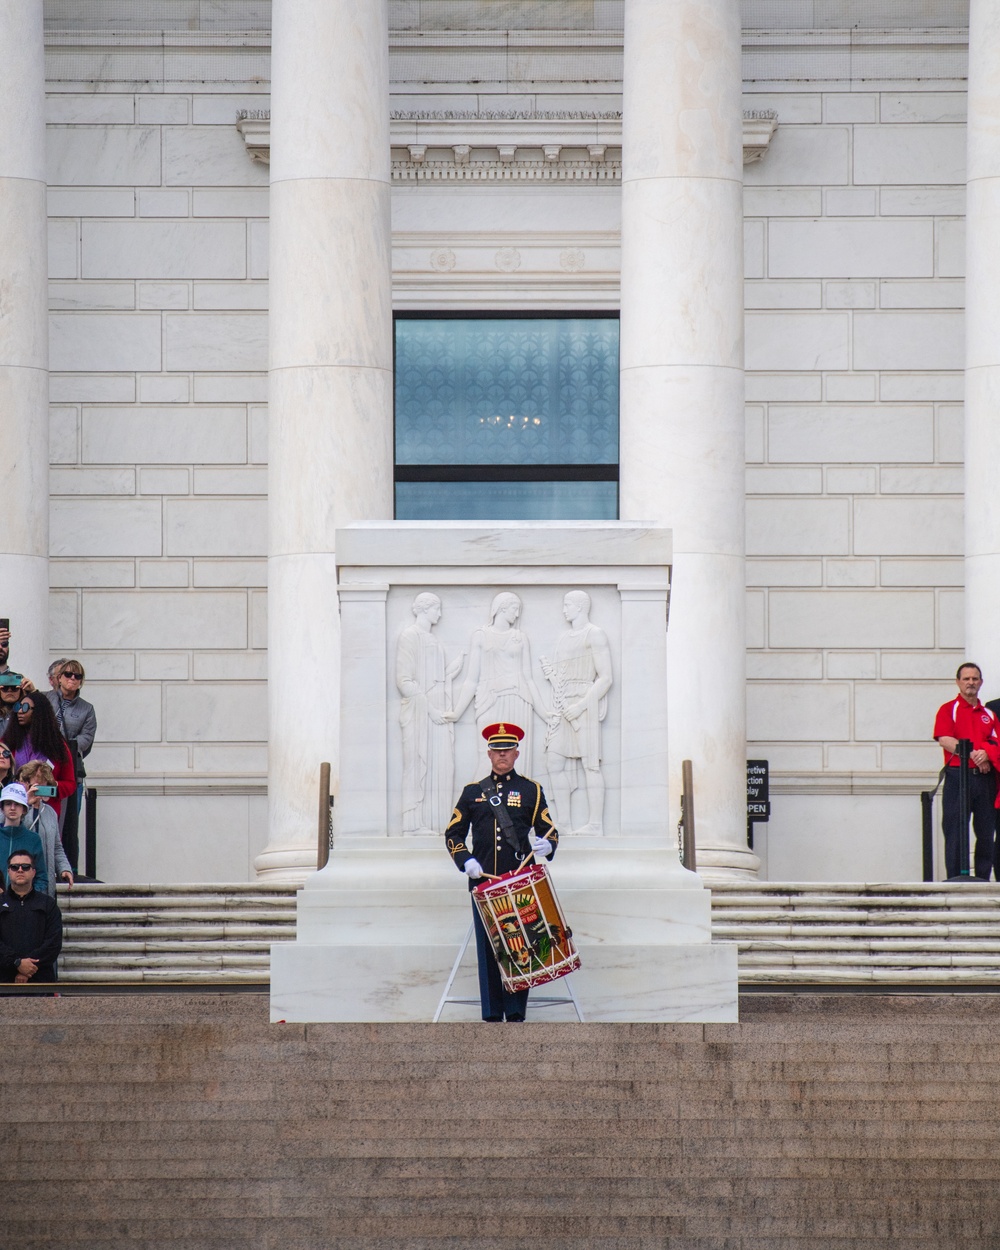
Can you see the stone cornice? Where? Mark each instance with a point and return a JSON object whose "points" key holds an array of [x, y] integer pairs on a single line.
{"points": [[445, 146], [411, 40]]}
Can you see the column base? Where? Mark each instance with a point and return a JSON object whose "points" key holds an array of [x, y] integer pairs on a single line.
{"points": [[727, 863], [292, 864]]}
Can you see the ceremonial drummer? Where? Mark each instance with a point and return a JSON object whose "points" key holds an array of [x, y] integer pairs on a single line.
{"points": [[503, 818]]}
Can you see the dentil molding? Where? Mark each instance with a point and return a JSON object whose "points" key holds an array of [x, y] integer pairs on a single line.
{"points": [[506, 146]]}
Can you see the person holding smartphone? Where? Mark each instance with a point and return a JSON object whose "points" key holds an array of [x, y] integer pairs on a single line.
{"points": [[33, 734], [10, 697], [5, 653], [39, 783]]}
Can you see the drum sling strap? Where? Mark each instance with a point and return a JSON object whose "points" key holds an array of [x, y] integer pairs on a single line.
{"points": [[502, 816]]}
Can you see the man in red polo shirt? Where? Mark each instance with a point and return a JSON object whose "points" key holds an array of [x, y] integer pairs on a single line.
{"points": [[966, 717]]}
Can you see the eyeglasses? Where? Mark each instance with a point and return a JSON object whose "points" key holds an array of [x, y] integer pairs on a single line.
{"points": [[20, 867], [5, 755], [74, 676]]}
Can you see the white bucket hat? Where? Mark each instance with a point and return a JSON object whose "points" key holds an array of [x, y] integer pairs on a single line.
{"points": [[14, 793]]}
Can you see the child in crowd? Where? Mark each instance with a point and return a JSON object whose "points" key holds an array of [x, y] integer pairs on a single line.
{"points": [[15, 837], [41, 818]]}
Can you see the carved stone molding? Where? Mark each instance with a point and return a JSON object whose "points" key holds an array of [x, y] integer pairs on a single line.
{"points": [[449, 146]]}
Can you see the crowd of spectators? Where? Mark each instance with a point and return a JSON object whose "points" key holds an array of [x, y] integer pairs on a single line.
{"points": [[44, 739]]}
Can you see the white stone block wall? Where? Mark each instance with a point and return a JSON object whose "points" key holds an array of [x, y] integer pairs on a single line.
{"points": [[158, 298], [854, 253], [855, 353]]}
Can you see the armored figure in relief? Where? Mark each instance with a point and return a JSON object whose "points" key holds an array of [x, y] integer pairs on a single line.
{"points": [[424, 678], [580, 674]]}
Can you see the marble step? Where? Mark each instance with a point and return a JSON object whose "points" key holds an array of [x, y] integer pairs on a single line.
{"points": [[746, 932], [176, 959], [208, 932], [145, 973], [124, 946], [84, 921]]}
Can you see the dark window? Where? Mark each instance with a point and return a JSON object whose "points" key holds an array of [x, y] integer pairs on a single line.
{"points": [[506, 417]]}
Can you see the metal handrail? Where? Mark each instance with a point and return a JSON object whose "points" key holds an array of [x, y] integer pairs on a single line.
{"points": [[685, 826], [324, 823]]}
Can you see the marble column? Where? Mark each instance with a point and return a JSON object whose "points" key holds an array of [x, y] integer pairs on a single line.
{"points": [[330, 434], [982, 329], [24, 383], [682, 431]]}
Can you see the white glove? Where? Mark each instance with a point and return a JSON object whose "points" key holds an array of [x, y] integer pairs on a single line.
{"points": [[541, 846], [473, 869]]}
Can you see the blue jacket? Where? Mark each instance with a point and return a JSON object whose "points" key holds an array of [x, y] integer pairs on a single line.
{"points": [[17, 838]]}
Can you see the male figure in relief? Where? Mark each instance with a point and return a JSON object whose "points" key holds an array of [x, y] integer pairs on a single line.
{"points": [[581, 678]]}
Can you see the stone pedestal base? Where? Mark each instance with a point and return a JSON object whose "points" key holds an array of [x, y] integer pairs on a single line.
{"points": [[378, 934]]}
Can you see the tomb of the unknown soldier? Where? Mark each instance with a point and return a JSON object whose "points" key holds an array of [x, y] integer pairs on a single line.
{"points": [[499, 528]]}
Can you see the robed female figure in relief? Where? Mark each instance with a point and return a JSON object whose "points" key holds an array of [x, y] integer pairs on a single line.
{"points": [[499, 675]]}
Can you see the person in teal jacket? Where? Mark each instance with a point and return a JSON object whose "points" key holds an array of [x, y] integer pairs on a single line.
{"points": [[13, 835]]}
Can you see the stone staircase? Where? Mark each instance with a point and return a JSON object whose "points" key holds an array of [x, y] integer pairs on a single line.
{"points": [[928, 934], [184, 1121], [167, 933], [787, 933]]}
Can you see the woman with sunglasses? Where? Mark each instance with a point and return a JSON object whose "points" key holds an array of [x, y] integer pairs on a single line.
{"points": [[33, 734], [6, 765], [76, 717]]}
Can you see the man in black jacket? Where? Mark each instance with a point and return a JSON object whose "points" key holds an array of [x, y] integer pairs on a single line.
{"points": [[495, 851], [30, 926]]}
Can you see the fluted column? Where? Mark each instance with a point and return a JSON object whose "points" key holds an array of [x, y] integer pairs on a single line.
{"points": [[982, 365], [24, 359], [682, 432], [330, 375]]}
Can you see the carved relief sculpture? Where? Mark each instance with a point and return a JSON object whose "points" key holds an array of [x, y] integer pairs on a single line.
{"points": [[424, 678], [580, 675], [499, 675]]}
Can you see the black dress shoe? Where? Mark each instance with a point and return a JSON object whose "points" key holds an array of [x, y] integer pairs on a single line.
{"points": [[515, 1019], [492, 1019]]}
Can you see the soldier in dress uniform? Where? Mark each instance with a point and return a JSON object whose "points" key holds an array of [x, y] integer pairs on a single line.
{"points": [[495, 852]]}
